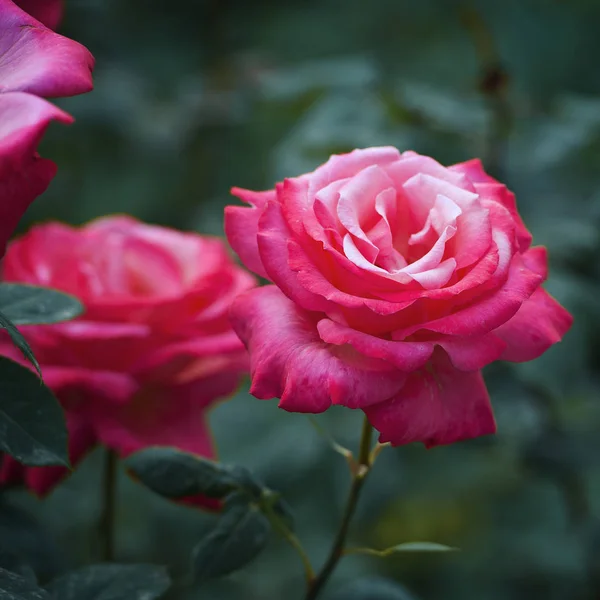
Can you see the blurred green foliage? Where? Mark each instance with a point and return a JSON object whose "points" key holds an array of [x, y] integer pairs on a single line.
{"points": [[195, 96]]}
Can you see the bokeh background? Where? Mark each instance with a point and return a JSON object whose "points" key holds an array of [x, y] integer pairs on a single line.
{"points": [[194, 96]]}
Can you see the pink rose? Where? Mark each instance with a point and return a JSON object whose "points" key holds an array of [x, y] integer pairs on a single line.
{"points": [[35, 62], [154, 349], [396, 281]]}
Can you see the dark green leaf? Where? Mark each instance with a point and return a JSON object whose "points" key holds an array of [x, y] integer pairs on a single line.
{"points": [[32, 424], [14, 563], [112, 582], [20, 342], [175, 474], [32, 305], [240, 535], [15, 587], [23, 541], [284, 511], [372, 588]]}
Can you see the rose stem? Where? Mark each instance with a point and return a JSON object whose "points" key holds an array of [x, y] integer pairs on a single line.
{"points": [[107, 516], [358, 478]]}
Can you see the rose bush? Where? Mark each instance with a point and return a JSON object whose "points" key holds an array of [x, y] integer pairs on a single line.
{"points": [[396, 280], [154, 349], [35, 63]]}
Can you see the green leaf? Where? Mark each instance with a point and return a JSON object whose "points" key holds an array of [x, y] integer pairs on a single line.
{"points": [[112, 582], [25, 545], [405, 547], [20, 342], [175, 474], [372, 588], [240, 535], [16, 587], [14, 563], [32, 424], [32, 305]]}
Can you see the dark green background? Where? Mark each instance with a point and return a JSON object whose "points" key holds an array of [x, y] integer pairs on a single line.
{"points": [[193, 97]]}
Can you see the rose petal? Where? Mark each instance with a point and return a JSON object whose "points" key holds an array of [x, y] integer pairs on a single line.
{"points": [[341, 166], [487, 186], [473, 234], [474, 170], [474, 352], [438, 405], [437, 277], [381, 234], [356, 206], [160, 416], [290, 361], [241, 227], [539, 323], [536, 260], [500, 194], [433, 258], [412, 164], [23, 174], [406, 356], [48, 12], [195, 359], [273, 242], [489, 311], [79, 387], [35, 59]]}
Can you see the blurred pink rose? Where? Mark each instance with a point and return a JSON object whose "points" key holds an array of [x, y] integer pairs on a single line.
{"points": [[35, 62], [396, 281], [47, 12], [154, 349]]}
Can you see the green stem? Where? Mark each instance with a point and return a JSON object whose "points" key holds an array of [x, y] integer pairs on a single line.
{"points": [[294, 542], [358, 479], [107, 516]]}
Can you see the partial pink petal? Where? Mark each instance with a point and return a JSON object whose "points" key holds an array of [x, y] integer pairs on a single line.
{"points": [[500, 194], [487, 312], [162, 416], [356, 206], [422, 191], [433, 258], [539, 323], [101, 346], [438, 405], [274, 238], [536, 260], [195, 359], [473, 237], [290, 361], [438, 276], [412, 163], [366, 312], [241, 227], [34, 59], [406, 356], [23, 174], [474, 352], [341, 166], [47, 12], [381, 234], [173, 416], [79, 389], [474, 170]]}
